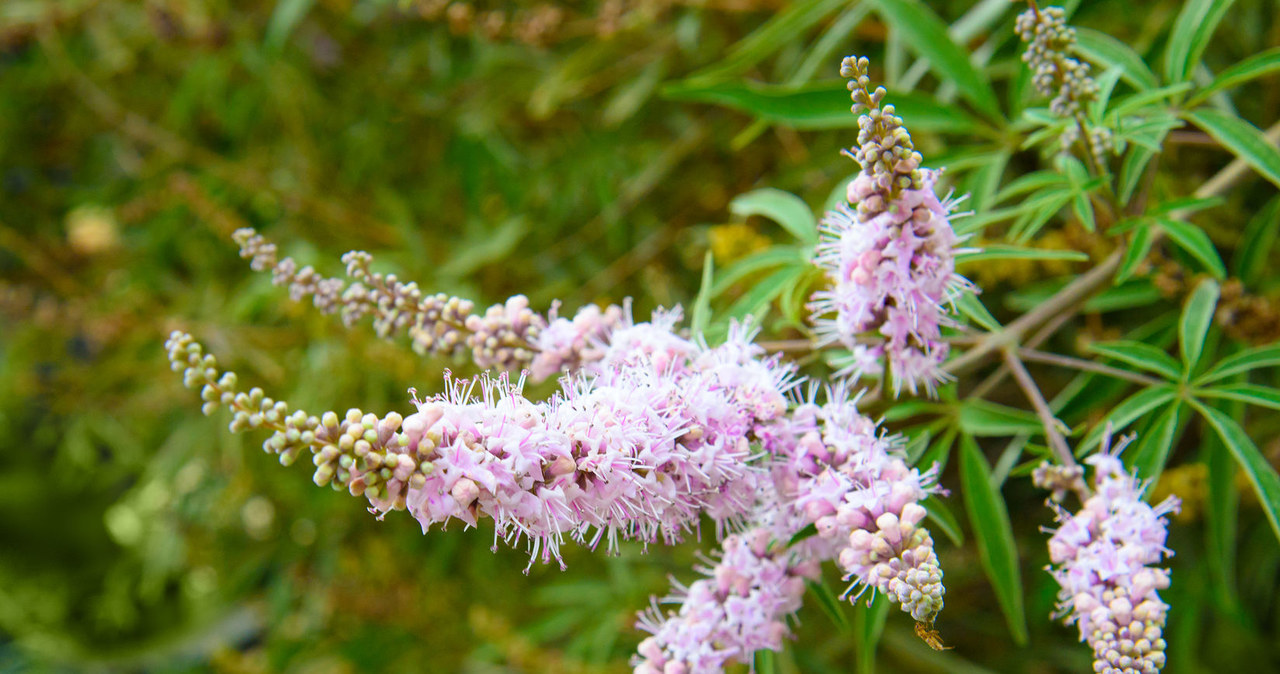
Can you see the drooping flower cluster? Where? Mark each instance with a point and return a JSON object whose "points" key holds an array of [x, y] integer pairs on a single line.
{"points": [[889, 253], [1056, 74], [854, 486], [1103, 559], [740, 607], [655, 433], [649, 437]]}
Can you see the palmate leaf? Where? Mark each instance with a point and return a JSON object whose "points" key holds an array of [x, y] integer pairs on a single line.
{"points": [[989, 519], [1261, 475]]}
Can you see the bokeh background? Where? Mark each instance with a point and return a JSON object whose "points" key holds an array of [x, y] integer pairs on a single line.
{"points": [[483, 149]]}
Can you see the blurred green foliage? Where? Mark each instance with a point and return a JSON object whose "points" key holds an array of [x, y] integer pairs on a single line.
{"points": [[585, 152]]}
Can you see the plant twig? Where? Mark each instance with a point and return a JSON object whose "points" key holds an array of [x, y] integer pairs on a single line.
{"points": [[1051, 423], [1033, 356]]}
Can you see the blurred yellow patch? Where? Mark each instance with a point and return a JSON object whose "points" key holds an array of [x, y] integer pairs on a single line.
{"points": [[1189, 483], [735, 241], [92, 230]]}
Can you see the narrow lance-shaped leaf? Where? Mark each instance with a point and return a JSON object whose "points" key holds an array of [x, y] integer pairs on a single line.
{"points": [[1249, 360], [1197, 314], [1255, 66], [1260, 473], [868, 625], [1243, 139], [1196, 243], [702, 304], [1128, 411], [989, 519], [927, 35], [784, 208], [1141, 355], [1152, 452], [1191, 32]]}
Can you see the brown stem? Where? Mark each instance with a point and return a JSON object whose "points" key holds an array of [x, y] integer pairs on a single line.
{"points": [[1051, 424], [1033, 356]]}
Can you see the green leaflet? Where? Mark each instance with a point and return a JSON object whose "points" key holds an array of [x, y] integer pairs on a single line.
{"points": [[989, 519]]}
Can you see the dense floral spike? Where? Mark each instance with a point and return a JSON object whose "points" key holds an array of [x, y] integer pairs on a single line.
{"points": [[853, 484], [889, 254], [565, 344], [658, 434], [1102, 559], [1056, 74], [740, 607]]}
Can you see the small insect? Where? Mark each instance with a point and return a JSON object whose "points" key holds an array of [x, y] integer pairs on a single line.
{"points": [[931, 636]]}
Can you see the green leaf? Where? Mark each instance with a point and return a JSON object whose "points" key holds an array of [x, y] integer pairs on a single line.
{"points": [[1106, 50], [1128, 411], [1191, 32], [1132, 169], [756, 300], [284, 19], [701, 313], [1135, 254], [1254, 250], [1196, 243], [987, 419], [808, 531], [1262, 396], [1255, 66], [1260, 473], [1152, 452], [973, 309], [1243, 139], [868, 625], [766, 661], [766, 259], [989, 519], [830, 604], [1197, 314], [780, 30], [1141, 355], [1142, 99], [1245, 361], [925, 33], [1000, 251], [945, 520], [784, 208]]}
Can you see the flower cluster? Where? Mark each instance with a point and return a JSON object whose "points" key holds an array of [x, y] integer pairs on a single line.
{"points": [[1056, 74], [740, 607], [889, 253], [854, 486], [654, 434], [1103, 557], [566, 344]]}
